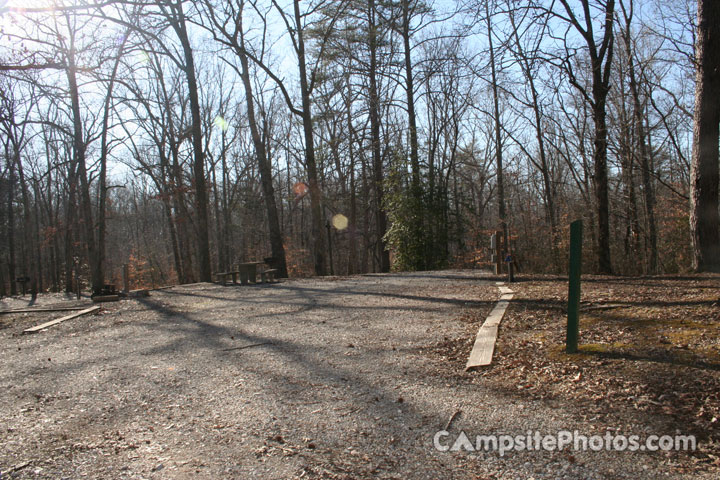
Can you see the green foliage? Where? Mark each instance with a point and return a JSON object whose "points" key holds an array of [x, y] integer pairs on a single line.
{"points": [[417, 234], [404, 236]]}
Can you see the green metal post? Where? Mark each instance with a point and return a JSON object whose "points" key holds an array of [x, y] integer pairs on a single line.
{"points": [[571, 342]]}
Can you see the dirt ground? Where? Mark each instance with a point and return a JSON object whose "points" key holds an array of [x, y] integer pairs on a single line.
{"points": [[345, 378]]}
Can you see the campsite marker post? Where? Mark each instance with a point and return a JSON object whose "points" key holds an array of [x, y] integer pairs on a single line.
{"points": [[571, 342]]}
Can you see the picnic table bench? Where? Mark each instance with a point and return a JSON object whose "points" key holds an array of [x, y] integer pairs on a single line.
{"points": [[268, 275], [248, 272], [222, 277]]}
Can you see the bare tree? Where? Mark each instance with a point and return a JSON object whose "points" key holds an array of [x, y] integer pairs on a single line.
{"points": [[600, 53], [643, 154], [226, 24], [704, 219]]}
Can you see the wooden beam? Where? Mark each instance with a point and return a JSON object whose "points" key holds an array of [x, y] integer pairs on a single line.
{"points": [[45, 325], [484, 347], [41, 309]]}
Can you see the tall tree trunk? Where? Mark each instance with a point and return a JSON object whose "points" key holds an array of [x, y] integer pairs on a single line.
{"points": [[627, 164], [310, 162], [167, 193], [545, 172], [502, 214], [99, 267], [265, 167], [202, 232], [704, 219], [30, 245], [600, 63], [641, 136], [53, 220], [410, 95], [82, 175], [549, 192], [175, 188], [226, 213], [366, 214], [601, 179], [374, 113], [221, 263], [182, 219], [352, 230], [37, 241], [167, 208], [70, 220], [648, 193], [11, 222]]}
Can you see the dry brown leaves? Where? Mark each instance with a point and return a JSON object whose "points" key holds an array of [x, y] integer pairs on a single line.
{"points": [[649, 355]]}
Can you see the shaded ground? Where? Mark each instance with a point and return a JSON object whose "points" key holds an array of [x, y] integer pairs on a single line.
{"points": [[649, 355], [332, 378]]}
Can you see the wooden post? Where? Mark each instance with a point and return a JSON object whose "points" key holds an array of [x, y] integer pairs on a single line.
{"points": [[511, 270], [330, 254], [494, 250], [571, 342], [77, 279], [126, 278]]}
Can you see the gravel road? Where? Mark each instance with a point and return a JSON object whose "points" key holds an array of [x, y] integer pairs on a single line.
{"points": [[318, 378]]}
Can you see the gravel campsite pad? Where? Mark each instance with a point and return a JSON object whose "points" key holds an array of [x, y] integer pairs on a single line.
{"points": [[337, 378]]}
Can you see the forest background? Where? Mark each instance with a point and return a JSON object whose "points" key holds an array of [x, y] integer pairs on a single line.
{"points": [[345, 136]]}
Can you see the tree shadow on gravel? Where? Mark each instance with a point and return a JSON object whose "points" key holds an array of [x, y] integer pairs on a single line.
{"points": [[313, 296], [418, 298], [319, 371], [316, 374], [293, 370], [484, 277]]}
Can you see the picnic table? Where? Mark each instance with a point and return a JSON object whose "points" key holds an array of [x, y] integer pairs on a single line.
{"points": [[248, 272]]}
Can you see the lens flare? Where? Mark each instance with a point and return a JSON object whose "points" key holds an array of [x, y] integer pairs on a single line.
{"points": [[340, 221], [300, 188], [221, 123]]}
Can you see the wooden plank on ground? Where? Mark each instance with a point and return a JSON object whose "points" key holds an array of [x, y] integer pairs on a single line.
{"points": [[45, 325], [497, 313], [42, 309], [484, 346]]}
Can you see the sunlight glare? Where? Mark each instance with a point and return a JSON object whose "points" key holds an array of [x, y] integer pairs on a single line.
{"points": [[300, 188], [221, 123], [340, 221]]}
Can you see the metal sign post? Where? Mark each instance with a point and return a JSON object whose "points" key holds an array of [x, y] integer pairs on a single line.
{"points": [[571, 342]]}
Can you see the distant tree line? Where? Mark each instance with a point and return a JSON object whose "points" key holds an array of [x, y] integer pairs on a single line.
{"points": [[347, 136]]}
